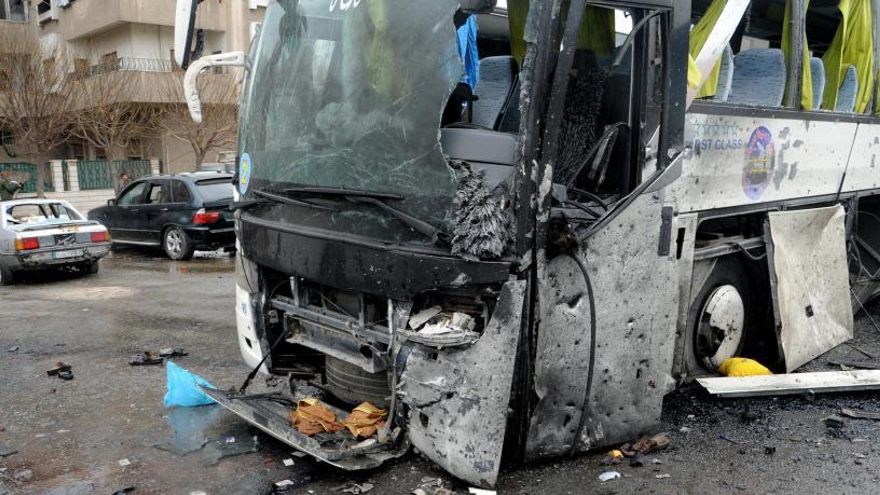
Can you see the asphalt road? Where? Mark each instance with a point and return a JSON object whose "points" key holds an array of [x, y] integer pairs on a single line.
{"points": [[72, 435]]}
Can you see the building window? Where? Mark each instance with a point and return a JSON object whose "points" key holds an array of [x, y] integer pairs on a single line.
{"points": [[13, 10]]}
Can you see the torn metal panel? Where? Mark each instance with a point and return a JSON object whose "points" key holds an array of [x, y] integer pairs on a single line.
{"points": [[690, 279], [458, 398], [636, 302], [792, 383], [810, 263]]}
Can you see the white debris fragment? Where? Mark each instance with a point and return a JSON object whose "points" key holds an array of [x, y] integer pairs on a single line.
{"points": [[298, 453], [480, 491], [663, 476], [457, 323], [283, 483], [422, 317], [124, 462], [198, 492], [288, 462], [608, 476]]}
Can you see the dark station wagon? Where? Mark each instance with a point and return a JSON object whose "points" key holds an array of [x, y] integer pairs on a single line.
{"points": [[180, 213]]}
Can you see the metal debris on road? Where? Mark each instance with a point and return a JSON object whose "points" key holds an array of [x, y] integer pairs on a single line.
{"points": [[146, 358], [792, 383], [13, 349], [61, 370], [833, 421], [288, 462], [480, 491], [608, 476], [170, 352], [124, 462], [853, 413], [663, 476], [356, 488]]}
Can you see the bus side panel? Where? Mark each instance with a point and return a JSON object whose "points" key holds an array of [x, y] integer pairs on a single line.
{"points": [[634, 284], [863, 172], [735, 161]]}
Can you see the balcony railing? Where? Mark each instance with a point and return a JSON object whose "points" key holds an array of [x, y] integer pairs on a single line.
{"points": [[131, 65]]}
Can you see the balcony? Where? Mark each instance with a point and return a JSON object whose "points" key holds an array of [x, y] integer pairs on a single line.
{"points": [[87, 17], [129, 64]]}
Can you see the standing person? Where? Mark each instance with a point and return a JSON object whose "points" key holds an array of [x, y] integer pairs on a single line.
{"points": [[8, 187], [123, 182]]}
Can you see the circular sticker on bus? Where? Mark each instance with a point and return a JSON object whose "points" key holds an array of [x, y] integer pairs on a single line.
{"points": [[760, 160], [244, 173]]}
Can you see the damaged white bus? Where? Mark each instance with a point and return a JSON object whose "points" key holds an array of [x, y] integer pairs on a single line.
{"points": [[512, 229]]}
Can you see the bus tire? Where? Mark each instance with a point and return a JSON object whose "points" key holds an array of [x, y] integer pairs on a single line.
{"points": [[720, 314]]}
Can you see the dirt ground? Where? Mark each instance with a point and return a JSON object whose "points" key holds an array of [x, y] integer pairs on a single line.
{"points": [[107, 429]]}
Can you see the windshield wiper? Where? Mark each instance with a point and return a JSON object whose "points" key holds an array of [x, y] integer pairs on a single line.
{"points": [[275, 198], [375, 199], [341, 191]]}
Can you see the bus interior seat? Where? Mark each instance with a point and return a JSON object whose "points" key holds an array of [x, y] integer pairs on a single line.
{"points": [[758, 78], [817, 74], [849, 88], [725, 75], [497, 76], [488, 151]]}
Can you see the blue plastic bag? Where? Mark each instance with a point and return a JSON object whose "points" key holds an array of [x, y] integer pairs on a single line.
{"points": [[183, 388]]}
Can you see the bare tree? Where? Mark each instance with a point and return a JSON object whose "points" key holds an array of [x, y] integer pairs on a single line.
{"points": [[219, 96], [36, 97], [112, 112]]}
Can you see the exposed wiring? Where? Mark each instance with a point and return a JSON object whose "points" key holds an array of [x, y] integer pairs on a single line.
{"points": [[583, 421], [871, 318], [256, 369], [746, 252], [593, 196], [582, 208]]}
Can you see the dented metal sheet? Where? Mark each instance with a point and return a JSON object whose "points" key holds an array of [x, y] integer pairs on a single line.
{"points": [[458, 398], [636, 303], [735, 160], [810, 263]]}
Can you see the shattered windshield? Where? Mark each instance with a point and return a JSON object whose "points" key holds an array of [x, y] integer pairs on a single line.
{"points": [[348, 94]]}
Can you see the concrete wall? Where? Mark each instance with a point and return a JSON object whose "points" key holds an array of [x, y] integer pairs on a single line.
{"points": [[84, 201]]}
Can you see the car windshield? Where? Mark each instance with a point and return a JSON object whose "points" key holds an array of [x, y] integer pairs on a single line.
{"points": [[215, 190], [31, 214], [349, 95]]}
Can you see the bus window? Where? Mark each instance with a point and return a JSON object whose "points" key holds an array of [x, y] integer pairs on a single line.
{"points": [[841, 40], [611, 110], [752, 72]]}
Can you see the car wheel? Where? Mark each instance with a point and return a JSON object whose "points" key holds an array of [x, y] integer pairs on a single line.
{"points": [[177, 244], [6, 275]]}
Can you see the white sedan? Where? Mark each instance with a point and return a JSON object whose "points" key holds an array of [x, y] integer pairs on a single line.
{"points": [[37, 234]]}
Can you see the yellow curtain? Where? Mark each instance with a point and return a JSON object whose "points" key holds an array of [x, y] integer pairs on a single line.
{"points": [[698, 38], [807, 83], [853, 44], [596, 34], [517, 13]]}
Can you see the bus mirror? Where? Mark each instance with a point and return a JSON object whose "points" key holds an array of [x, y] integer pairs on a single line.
{"points": [[477, 6], [191, 79], [184, 27]]}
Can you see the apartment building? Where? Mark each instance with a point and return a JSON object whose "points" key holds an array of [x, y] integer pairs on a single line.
{"points": [[135, 37]]}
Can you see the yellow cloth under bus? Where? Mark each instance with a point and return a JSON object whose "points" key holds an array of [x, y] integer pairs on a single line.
{"points": [[853, 44]]}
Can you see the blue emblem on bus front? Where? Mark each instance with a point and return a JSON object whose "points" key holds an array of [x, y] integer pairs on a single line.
{"points": [[244, 173]]}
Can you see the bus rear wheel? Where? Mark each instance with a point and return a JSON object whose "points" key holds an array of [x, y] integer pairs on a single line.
{"points": [[719, 316]]}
